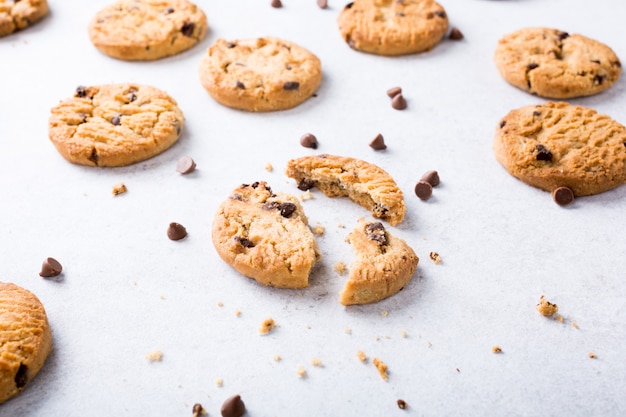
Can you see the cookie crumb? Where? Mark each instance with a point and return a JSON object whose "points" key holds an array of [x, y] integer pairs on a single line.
{"points": [[155, 356], [119, 188], [575, 325], [347, 330], [269, 167], [435, 257], [301, 371], [341, 225], [546, 308], [592, 355], [340, 267], [220, 304], [238, 313], [318, 229], [381, 367], [559, 318], [384, 313], [267, 326], [402, 405], [307, 196], [404, 334], [219, 382], [316, 362], [361, 355], [278, 358], [198, 410], [496, 349]]}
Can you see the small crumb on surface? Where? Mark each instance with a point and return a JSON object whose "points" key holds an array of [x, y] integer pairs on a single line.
{"points": [[404, 334], [220, 304], [592, 355], [435, 257], [318, 229], [340, 267], [269, 167], [559, 318], [267, 326], [278, 358], [238, 313], [198, 410], [119, 188], [341, 225], [306, 196], [316, 362], [381, 367], [496, 349], [361, 355], [546, 308], [155, 356], [384, 313], [575, 325], [347, 330], [219, 382], [301, 371]]}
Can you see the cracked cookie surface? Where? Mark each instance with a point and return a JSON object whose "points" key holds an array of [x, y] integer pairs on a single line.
{"points": [[265, 236], [554, 64], [115, 124], [555, 145], [17, 15], [145, 30], [392, 27], [25, 339], [364, 183], [263, 74], [383, 266]]}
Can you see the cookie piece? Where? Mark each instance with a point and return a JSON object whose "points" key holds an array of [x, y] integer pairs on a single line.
{"points": [[555, 145], [263, 74], [115, 124], [145, 30], [265, 236], [17, 15], [554, 64], [25, 339], [392, 27], [363, 182], [384, 264]]}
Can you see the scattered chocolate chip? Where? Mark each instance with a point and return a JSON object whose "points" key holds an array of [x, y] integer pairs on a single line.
{"points": [[322, 4], [402, 404], [185, 165], [532, 66], [116, 120], [543, 154], [197, 410], [431, 177], [398, 102], [392, 92], [456, 34], [423, 190], [188, 28], [277, 4], [306, 184], [169, 10], [563, 35], [308, 140], [50, 268], [240, 85], [233, 407], [599, 79], [246, 243], [563, 196], [502, 124], [376, 232], [378, 143], [81, 91], [21, 377], [176, 231], [291, 85]]}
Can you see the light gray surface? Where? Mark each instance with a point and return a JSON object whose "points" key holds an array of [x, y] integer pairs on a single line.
{"points": [[127, 290]]}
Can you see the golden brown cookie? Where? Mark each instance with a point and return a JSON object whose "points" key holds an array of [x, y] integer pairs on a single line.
{"points": [[19, 14], [384, 264], [263, 74], [554, 64], [265, 236], [25, 339], [145, 30], [556, 145], [363, 182], [393, 27], [115, 124]]}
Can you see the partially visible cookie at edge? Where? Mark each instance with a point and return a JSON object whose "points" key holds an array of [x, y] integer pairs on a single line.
{"points": [[265, 236], [115, 124], [364, 183], [384, 264], [25, 339], [146, 30], [554, 64], [391, 27], [18, 15], [259, 75], [556, 145]]}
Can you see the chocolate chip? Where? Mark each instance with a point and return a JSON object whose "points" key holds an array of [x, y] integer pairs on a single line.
{"points": [[456, 34], [440, 13], [240, 85], [378, 143], [400, 14], [322, 4], [617, 64], [277, 4], [563, 35], [306, 184], [532, 66], [596, 61], [349, 5], [94, 156], [599, 79], [287, 209], [423, 190], [185, 165], [116, 120], [288, 67], [536, 113], [188, 28], [502, 124], [398, 102], [392, 92], [431, 177], [169, 10], [81, 91], [308, 140], [233, 407], [563, 196], [291, 85], [176, 231], [376, 232], [21, 377], [50, 268], [198, 410], [132, 97], [246, 243], [402, 404], [230, 45], [543, 154]]}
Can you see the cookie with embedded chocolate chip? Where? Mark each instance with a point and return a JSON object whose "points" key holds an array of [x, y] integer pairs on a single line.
{"points": [[392, 27], [17, 15], [259, 75], [25, 339], [115, 124], [265, 236], [145, 30], [383, 266], [363, 182], [554, 64], [556, 145]]}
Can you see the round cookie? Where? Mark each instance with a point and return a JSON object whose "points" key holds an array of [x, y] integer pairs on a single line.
{"points": [[263, 74], [364, 183], [17, 15], [265, 236], [115, 124], [554, 64], [25, 339], [145, 30], [393, 27], [556, 145], [384, 264]]}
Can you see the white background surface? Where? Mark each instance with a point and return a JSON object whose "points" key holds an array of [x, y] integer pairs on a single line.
{"points": [[127, 290]]}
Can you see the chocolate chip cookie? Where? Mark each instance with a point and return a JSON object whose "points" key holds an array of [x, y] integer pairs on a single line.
{"points": [[25, 339], [556, 145], [259, 75], [145, 30], [363, 182], [115, 124], [265, 236], [393, 27], [17, 15], [384, 264], [554, 64]]}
